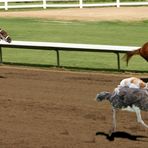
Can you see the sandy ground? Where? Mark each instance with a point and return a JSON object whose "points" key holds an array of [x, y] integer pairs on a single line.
{"points": [[56, 109], [85, 14]]}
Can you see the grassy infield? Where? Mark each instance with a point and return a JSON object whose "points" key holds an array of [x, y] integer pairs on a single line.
{"points": [[111, 33]]}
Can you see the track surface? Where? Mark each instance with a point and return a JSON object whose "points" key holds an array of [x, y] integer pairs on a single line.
{"points": [[85, 14], [56, 109]]}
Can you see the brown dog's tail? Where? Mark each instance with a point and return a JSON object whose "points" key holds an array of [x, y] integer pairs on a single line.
{"points": [[128, 55]]}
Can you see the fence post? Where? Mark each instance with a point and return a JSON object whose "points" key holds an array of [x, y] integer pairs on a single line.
{"points": [[58, 58], [118, 3], [6, 4], [81, 3], [44, 4], [118, 60]]}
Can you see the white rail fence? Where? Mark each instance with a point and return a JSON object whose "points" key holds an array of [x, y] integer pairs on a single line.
{"points": [[66, 47], [7, 4]]}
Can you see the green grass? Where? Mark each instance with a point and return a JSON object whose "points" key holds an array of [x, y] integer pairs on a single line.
{"points": [[109, 33]]}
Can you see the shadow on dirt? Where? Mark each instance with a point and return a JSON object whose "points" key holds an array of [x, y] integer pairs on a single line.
{"points": [[2, 77], [75, 68], [123, 135]]}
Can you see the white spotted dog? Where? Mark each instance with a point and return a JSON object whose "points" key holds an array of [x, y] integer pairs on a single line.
{"points": [[131, 82]]}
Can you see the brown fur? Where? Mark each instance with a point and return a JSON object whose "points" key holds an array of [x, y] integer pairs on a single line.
{"points": [[143, 52]]}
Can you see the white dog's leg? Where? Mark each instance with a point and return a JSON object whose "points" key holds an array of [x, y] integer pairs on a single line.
{"points": [[139, 118]]}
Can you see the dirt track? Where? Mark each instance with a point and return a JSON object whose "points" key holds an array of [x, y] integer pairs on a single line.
{"points": [[85, 14], [56, 109]]}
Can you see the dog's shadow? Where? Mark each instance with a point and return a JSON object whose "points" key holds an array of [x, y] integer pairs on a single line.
{"points": [[123, 135], [2, 77]]}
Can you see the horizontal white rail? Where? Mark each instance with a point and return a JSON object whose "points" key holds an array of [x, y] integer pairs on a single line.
{"points": [[67, 47], [6, 4], [133, 3]]}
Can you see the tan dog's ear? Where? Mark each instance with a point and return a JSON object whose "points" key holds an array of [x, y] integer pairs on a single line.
{"points": [[142, 84]]}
